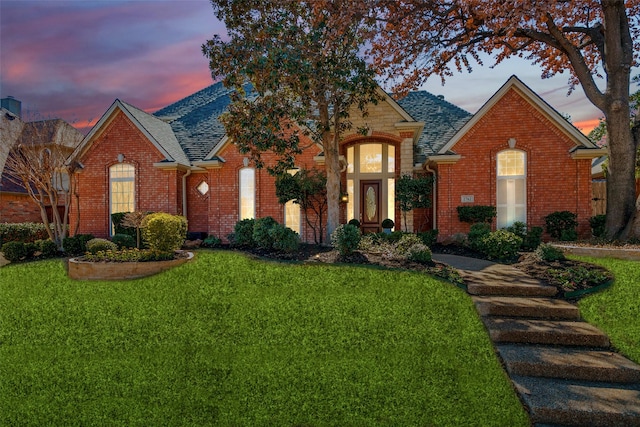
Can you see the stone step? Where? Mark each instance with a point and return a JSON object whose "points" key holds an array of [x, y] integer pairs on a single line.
{"points": [[547, 308], [478, 287], [575, 403], [568, 363], [531, 331]]}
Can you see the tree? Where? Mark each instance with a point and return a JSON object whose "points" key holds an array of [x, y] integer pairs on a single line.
{"points": [[38, 163], [412, 193], [307, 188], [303, 60], [589, 38]]}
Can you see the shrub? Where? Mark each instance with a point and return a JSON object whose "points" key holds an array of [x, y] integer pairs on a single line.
{"points": [[345, 238], [387, 223], [211, 242], [164, 232], [124, 241], [14, 251], [569, 235], [562, 222], [597, 225], [354, 222], [502, 245], [530, 238], [261, 229], [533, 239], [22, 232], [419, 253], [549, 253], [31, 248], [406, 242], [476, 213], [284, 239], [76, 245], [477, 233], [47, 248], [429, 238], [243, 233], [96, 245]]}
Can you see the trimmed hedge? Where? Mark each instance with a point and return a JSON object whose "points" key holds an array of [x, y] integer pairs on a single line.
{"points": [[476, 213], [22, 232]]}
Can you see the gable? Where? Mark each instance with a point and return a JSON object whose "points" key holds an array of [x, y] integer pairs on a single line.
{"points": [[157, 132], [535, 106]]}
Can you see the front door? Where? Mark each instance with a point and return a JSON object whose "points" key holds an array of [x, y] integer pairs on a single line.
{"points": [[370, 206]]}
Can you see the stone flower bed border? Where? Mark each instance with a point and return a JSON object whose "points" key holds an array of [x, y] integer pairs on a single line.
{"points": [[78, 269], [630, 254]]}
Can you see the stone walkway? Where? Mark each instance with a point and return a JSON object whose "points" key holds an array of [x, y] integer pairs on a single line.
{"points": [[562, 368]]}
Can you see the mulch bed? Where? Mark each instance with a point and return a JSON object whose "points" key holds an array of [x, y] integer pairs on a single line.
{"points": [[547, 272]]}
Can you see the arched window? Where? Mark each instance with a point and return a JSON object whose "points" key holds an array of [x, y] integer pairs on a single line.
{"points": [[122, 193], [511, 197], [247, 193]]}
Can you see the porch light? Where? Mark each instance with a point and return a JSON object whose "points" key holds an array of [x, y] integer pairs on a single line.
{"points": [[344, 198]]}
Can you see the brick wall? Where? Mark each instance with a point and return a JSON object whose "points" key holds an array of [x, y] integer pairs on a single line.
{"points": [[18, 208], [156, 190], [555, 181]]}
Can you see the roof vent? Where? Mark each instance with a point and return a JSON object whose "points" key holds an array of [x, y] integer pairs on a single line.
{"points": [[440, 96]]}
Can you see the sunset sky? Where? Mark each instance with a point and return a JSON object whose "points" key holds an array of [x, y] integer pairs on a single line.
{"points": [[72, 59]]}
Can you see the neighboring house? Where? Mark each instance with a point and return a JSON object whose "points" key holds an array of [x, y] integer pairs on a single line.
{"points": [[178, 160], [15, 203]]}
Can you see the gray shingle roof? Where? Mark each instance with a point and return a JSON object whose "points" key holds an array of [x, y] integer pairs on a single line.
{"points": [[442, 120], [194, 120], [160, 131]]}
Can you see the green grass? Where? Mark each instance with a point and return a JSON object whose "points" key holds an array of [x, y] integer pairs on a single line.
{"points": [[616, 310], [226, 340]]}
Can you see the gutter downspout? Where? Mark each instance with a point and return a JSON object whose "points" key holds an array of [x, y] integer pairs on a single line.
{"points": [[184, 192], [433, 192]]}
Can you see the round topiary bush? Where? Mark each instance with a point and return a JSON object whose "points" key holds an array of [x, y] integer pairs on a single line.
{"points": [[96, 245], [164, 232], [387, 223]]}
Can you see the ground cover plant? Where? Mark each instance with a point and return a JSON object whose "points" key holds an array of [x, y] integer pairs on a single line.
{"points": [[616, 310], [230, 340]]}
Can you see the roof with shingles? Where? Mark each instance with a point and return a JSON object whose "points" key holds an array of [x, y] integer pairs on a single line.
{"points": [[194, 120], [160, 131], [441, 120]]}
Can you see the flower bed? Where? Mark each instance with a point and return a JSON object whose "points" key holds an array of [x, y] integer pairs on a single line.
{"points": [[80, 269]]}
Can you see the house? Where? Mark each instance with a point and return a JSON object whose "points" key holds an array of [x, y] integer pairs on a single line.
{"points": [[178, 160], [15, 204]]}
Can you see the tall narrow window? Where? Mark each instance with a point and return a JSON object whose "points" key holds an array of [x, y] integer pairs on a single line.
{"points": [[511, 198], [121, 189], [292, 216], [247, 193]]}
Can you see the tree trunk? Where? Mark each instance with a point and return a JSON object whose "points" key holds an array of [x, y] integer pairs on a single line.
{"points": [[332, 166], [617, 60]]}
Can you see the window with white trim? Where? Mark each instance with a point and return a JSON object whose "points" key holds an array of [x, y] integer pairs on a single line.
{"points": [[122, 192], [511, 186], [247, 193]]}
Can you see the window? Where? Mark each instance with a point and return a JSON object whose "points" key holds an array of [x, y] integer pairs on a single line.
{"points": [[203, 188], [247, 193], [292, 216], [511, 188], [121, 189]]}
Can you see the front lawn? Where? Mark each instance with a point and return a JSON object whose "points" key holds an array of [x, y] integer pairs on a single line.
{"points": [[616, 310], [227, 340]]}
